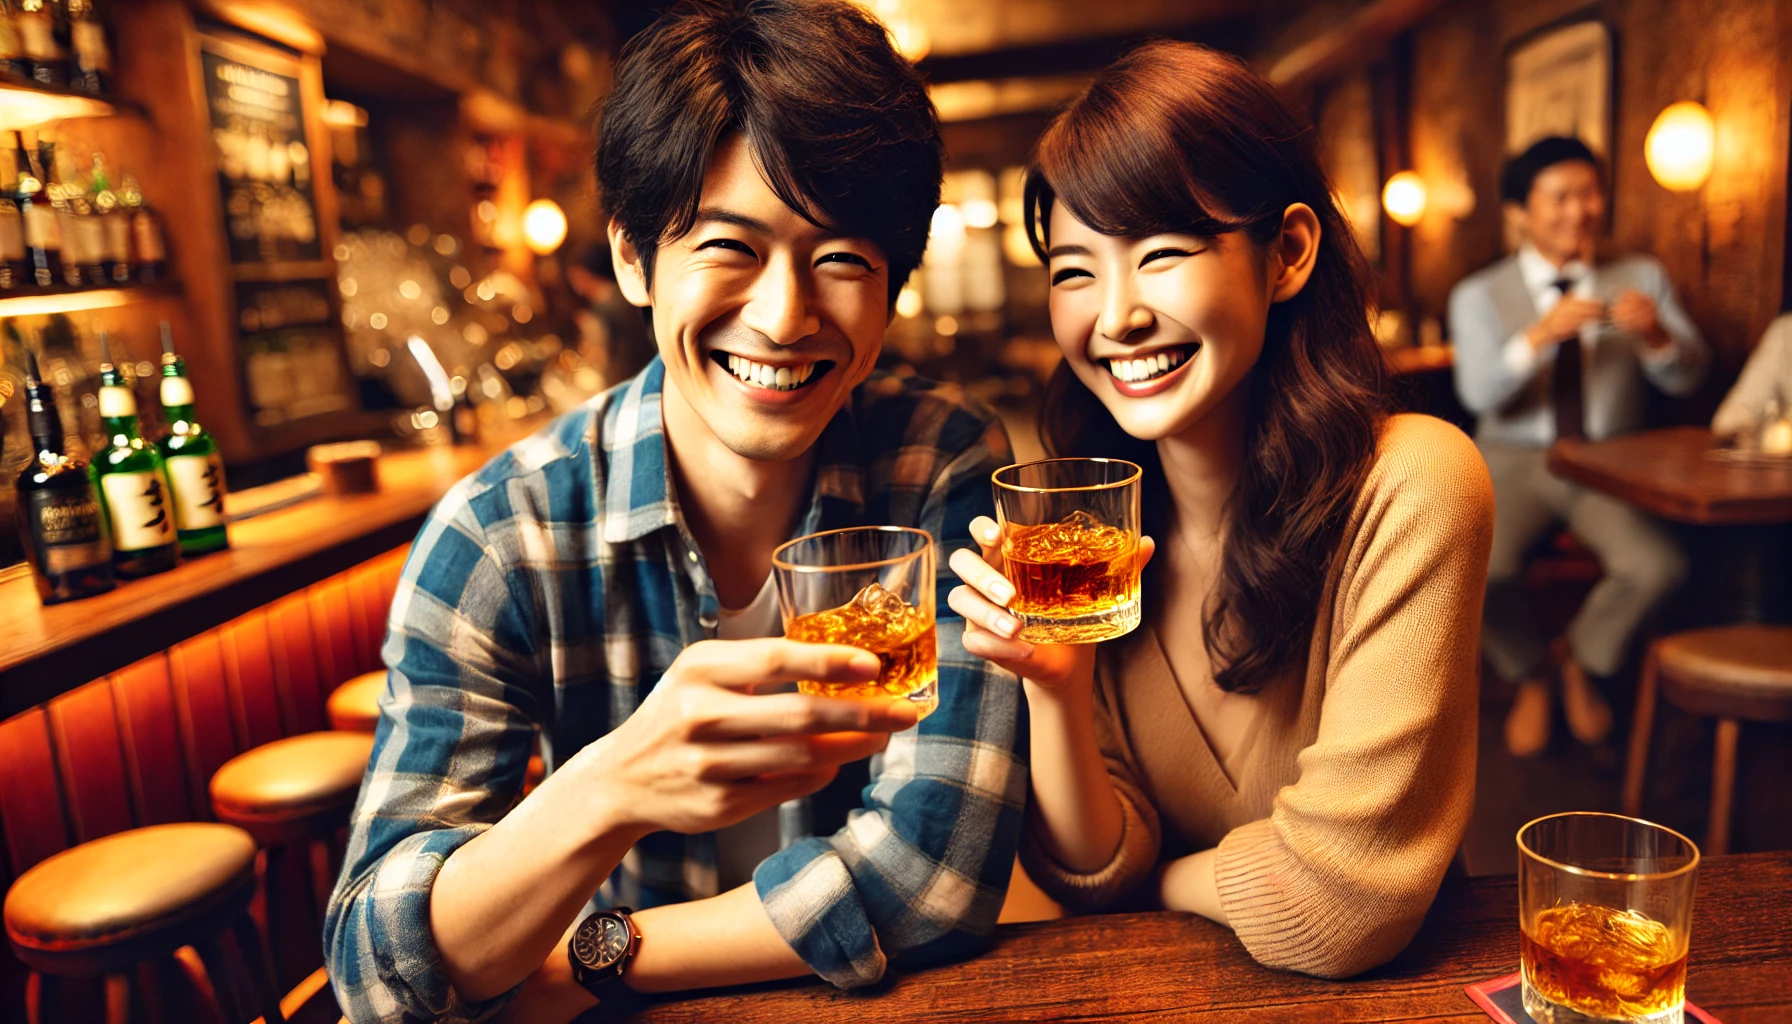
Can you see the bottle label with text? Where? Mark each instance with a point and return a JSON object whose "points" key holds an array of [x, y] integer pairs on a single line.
{"points": [[66, 531], [138, 507], [198, 490]]}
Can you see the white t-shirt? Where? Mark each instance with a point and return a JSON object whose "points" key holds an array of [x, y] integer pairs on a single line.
{"points": [[741, 846]]}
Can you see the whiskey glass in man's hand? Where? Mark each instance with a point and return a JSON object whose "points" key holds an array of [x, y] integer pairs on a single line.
{"points": [[1070, 546], [869, 587], [1605, 912]]}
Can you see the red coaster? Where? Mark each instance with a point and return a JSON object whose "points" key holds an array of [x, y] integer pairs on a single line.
{"points": [[1504, 1002]]}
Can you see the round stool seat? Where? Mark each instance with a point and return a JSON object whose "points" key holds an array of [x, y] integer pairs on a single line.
{"points": [[1742, 671], [130, 896], [297, 788], [354, 706]]}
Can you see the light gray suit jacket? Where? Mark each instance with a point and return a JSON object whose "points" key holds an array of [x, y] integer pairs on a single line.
{"points": [[1488, 307]]}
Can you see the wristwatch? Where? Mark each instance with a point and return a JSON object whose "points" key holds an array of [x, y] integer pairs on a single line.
{"points": [[601, 949]]}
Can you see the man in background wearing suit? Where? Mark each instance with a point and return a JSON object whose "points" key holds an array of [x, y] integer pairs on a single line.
{"points": [[1528, 329]]}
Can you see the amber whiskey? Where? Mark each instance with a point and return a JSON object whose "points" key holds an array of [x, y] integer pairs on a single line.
{"points": [[902, 636], [1603, 963], [1075, 580]]}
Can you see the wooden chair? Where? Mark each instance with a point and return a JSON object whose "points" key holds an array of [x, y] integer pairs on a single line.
{"points": [[295, 792], [1731, 673], [106, 907]]}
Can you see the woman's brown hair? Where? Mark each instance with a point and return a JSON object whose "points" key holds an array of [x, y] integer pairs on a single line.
{"points": [[1174, 137]]}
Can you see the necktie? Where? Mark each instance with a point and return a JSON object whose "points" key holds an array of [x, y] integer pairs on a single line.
{"points": [[1567, 389]]}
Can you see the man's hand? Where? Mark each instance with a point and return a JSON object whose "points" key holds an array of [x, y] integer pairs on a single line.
{"points": [[1635, 312], [1565, 320], [703, 751]]}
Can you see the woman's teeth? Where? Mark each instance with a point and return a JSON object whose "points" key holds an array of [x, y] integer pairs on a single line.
{"points": [[776, 378], [1144, 368]]}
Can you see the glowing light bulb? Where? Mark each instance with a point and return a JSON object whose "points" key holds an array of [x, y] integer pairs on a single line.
{"points": [[1681, 146], [544, 226], [1404, 198]]}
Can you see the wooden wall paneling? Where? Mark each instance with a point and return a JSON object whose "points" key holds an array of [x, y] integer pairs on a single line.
{"points": [[90, 757], [149, 726], [30, 791], [362, 600], [332, 636], [249, 667], [208, 728], [296, 673]]}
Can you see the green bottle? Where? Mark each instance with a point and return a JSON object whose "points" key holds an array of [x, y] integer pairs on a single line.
{"points": [[195, 469], [132, 482]]}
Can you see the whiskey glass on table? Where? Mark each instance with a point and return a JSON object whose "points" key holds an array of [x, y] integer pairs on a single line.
{"points": [[1605, 913], [1070, 546], [870, 587]]}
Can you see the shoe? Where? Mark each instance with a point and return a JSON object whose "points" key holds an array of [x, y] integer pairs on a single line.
{"points": [[1527, 724], [1589, 716]]}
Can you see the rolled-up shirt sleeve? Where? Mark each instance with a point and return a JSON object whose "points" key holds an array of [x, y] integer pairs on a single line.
{"points": [[449, 758], [918, 874]]}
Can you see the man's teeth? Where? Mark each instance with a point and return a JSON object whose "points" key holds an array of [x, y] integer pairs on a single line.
{"points": [[1147, 367], [776, 378]]}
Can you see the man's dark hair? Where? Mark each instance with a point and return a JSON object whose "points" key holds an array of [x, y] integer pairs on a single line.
{"points": [[837, 121], [1520, 172]]}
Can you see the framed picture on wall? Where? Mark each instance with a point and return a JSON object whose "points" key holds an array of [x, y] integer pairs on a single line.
{"points": [[1559, 82]]}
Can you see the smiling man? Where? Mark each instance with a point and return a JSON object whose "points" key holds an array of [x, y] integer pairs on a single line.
{"points": [[770, 168]]}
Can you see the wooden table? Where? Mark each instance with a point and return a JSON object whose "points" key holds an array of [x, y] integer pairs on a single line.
{"points": [[1679, 474], [1162, 966]]}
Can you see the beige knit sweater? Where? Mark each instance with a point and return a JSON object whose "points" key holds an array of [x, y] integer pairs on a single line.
{"points": [[1354, 782]]}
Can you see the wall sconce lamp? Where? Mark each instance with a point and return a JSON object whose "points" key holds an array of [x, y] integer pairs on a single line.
{"points": [[1680, 146], [544, 226], [1404, 198]]}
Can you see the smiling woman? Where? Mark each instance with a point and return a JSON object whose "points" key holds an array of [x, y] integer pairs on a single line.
{"points": [[1286, 744]]}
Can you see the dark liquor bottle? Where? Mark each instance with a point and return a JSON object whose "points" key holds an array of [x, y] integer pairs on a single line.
{"points": [[195, 469], [132, 482], [37, 22], [149, 252], [59, 517], [12, 231], [115, 224], [91, 64], [60, 193], [43, 232]]}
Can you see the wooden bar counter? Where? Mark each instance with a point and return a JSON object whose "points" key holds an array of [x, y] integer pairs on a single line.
{"points": [[46, 651], [1162, 966]]}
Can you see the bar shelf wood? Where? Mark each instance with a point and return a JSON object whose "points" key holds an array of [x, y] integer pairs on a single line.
{"points": [[70, 300], [26, 104]]}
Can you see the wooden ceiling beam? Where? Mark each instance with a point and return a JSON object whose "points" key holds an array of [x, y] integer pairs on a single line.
{"points": [[1354, 42], [1089, 53]]}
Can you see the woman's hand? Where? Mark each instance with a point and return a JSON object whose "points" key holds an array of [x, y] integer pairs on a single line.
{"points": [[990, 628]]}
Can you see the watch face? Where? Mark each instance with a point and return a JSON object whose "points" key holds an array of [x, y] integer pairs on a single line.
{"points": [[612, 940], [601, 941]]}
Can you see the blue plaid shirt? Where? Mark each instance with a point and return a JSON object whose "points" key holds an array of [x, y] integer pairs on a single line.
{"points": [[554, 587]]}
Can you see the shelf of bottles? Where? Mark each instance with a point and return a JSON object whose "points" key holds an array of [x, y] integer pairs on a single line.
{"points": [[75, 233]]}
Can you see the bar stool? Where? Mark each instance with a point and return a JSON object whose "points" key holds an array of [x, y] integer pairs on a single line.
{"points": [[100, 909], [354, 706], [295, 792], [1731, 673]]}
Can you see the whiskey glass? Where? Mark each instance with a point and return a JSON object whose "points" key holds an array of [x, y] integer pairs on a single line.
{"points": [[1605, 913], [870, 587], [1070, 546]]}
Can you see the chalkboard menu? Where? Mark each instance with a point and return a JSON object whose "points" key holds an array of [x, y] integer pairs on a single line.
{"points": [[264, 164]]}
